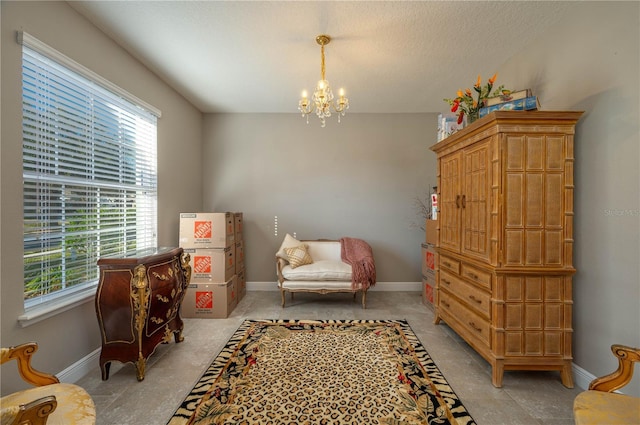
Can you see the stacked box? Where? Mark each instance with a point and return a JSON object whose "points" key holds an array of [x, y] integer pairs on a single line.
{"points": [[209, 239], [237, 218], [206, 230], [211, 265], [239, 254], [242, 285], [431, 230], [429, 257], [210, 300], [239, 257]]}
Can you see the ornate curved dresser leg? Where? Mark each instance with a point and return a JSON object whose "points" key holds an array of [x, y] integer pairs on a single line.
{"points": [[140, 367]]}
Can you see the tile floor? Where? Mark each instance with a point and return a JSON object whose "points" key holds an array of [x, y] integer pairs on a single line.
{"points": [[526, 398]]}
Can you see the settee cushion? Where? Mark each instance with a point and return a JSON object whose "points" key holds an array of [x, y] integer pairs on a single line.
{"points": [[298, 255], [600, 407], [288, 242], [320, 270], [75, 405]]}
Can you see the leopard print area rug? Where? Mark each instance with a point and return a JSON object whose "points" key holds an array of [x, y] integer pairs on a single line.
{"points": [[322, 372]]}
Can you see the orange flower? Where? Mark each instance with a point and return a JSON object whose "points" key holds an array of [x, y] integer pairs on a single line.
{"points": [[465, 104]]}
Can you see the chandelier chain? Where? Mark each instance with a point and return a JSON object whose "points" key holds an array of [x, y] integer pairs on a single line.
{"points": [[322, 61]]}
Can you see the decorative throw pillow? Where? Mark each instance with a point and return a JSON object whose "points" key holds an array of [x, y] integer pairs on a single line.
{"points": [[288, 242], [298, 255]]}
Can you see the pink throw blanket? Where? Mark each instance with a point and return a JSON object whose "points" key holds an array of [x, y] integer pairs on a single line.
{"points": [[359, 255]]}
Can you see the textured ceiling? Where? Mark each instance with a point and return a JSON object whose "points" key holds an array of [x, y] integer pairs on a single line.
{"points": [[258, 56]]}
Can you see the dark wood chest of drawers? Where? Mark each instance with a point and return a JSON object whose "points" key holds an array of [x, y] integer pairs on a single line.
{"points": [[138, 304]]}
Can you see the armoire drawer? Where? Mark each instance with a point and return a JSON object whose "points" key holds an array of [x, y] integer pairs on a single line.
{"points": [[476, 298], [448, 263], [475, 324], [476, 275]]}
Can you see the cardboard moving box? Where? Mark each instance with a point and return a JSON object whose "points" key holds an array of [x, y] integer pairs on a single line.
{"points": [[211, 265], [427, 292], [431, 227], [239, 253], [429, 257], [242, 285], [210, 300], [238, 225], [206, 230]]}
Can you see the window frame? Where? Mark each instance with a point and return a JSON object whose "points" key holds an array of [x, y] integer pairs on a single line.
{"points": [[48, 305]]}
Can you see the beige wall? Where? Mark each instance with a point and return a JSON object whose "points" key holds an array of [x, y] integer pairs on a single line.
{"points": [[72, 335], [358, 178]]}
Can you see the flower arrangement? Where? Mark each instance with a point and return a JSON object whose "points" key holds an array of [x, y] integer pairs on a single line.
{"points": [[465, 104]]}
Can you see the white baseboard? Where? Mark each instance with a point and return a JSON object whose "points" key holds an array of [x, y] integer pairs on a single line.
{"points": [[581, 378], [379, 286], [73, 373]]}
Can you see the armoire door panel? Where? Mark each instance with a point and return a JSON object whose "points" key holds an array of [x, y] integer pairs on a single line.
{"points": [[475, 200], [450, 202]]}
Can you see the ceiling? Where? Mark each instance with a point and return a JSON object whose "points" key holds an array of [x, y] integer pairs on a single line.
{"points": [[258, 56]]}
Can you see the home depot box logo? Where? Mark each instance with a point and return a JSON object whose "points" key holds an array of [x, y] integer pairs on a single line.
{"points": [[202, 229], [204, 299], [430, 259], [202, 264]]}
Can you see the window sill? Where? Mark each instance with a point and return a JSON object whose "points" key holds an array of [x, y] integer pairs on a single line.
{"points": [[50, 309]]}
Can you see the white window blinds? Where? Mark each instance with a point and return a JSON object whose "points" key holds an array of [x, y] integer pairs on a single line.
{"points": [[89, 172]]}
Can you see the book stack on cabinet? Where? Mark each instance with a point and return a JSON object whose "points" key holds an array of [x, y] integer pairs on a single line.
{"points": [[209, 239], [522, 100]]}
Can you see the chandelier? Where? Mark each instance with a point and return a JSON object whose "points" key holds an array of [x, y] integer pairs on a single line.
{"points": [[322, 100]]}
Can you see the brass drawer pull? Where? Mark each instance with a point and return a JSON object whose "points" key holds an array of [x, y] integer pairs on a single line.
{"points": [[472, 298], [473, 325], [473, 276], [446, 263], [445, 281], [446, 304]]}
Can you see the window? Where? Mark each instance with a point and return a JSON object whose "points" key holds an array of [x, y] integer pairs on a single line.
{"points": [[89, 174]]}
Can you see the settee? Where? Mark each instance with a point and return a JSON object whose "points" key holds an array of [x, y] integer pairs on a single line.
{"points": [[325, 266]]}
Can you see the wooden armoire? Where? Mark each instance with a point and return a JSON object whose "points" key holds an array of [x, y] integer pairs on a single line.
{"points": [[505, 239]]}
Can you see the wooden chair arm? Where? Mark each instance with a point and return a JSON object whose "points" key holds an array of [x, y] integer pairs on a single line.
{"points": [[22, 354], [35, 412], [627, 356]]}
